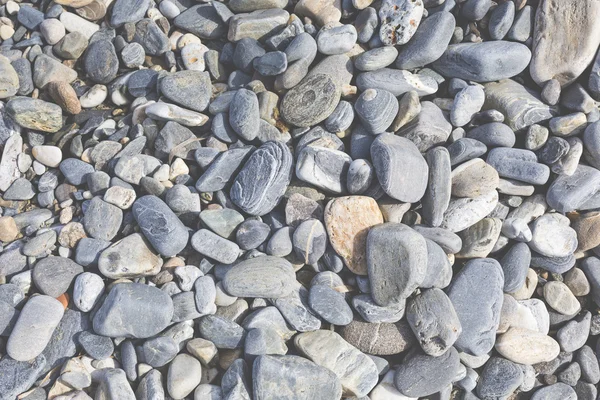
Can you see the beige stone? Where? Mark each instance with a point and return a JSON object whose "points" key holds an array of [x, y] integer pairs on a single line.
{"points": [[8, 229], [526, 291], [71, 234], [559, 297], [479, 239], [587, 227], [474, 178], [320, 11], [348, 220], [527, 347]]}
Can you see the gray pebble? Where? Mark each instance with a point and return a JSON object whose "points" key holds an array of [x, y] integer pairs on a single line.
{"points": [[54, 275], [518, 164], [159, 351], [225, 334], [439, 370], [501, 20], [267, 276], [500, 377], [102, 220], [101, 62], [96, 346], [309, 241], [555, 392], [437, 195], [376, 109], [329, 305], [214, 246], [323, 167]]}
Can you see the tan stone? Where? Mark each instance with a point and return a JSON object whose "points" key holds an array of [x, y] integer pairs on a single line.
{"points": [[320, 11], [587, 227], [73, 3], [527, 347], [479, 239], [560, 298], [526, 291], [8, 229], [64, 95], [348, 220], [474, 178], [71, 234]]}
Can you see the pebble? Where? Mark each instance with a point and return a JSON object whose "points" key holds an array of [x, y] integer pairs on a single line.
{"points": [[266, 276], [333, 40], [552, 236], [133, 310], [560, 298], [500, 377], [53, 275], [329, 305], [396, 82], [400, 19], [129, 258], [376, 109], [466, 103], [214, 246], [35, 114], [311, 101], [376, 58], [225, 334], [183, 376], [87, 290], [408, 379], [96, 346], [527, 347], [555, 391], [474, 178]]}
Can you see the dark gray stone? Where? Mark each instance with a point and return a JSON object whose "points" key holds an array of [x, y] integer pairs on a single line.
{"points": [[515, 264], [30, 17], [295, 309], [125, 11], [376, 109], [142, 83], [323, 167], [440, 371], [96, 346], [500, 377], [476, 293], [439, 186], [18, 376], [251, 233], [102, 220], [574, 334], [244, 115], [225, 334], [311, 101], [154, 41], [465, 149], [176, 139], [270, 64], [53, 275], [501, 20], [133, 310], [261, 183], [75, 170], [101, 62], [202, 20], [494, 134]]}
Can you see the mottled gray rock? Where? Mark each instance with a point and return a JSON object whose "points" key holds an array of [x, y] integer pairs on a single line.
{"points": [[214, 246], [437, 195], [571, 192], [222, 170], [53, 275], [133, 310], [396, 261], [130, 257], [34, 114], [205, 295], [244, 114], [20, 189], [101, 62], [329, 305], [225, 334], [439, 370], [266, 277], [114, 384], [518, 164], [311, 101], [202, 20], [428, 128], [434, 322], [257, 189], [515, 264], [501, 20], [190, 89], [323, 167], [466, 103], [360, 176], [102, 220], [278, 377], [160, 225], [429, 41], [294, 308], [500, 378], [257, 24], [151, 386], [392, 156], [356, 371], [333, 40], [483, 62], [399, 20], [96, 346], [33, 330], [554, 392], [477, 304], [19, 376], [575, 333], [587, 360]]}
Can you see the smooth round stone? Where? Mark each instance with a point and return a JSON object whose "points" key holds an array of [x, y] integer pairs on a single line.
{"points": [[214, 246], [396, 261], [225, 334], [378, 338], [280, 243], [474, 178], [347, 220], [32, 332], [75, 170], [101, 62], [35, 114], [356, 371], [130, 257], [518, 164], [160, 225], [20, 189], [429, 41], [223, 222], [133, 310], [527, 347], [256, 191], [329, 305], [400, 20], [376, 58], [560, 298], [465, 212], [309, 241], [87, 290], [205, 294], [501, 20], [575, 333], [333, 39], [192, 56], [483, 62], [266, 276], [590, 370], [376, 109], [477, 304], [184, 375], [515, 264], [341, 118], [360, 176], [552, 236], [96, 346], [392, 156], [206, 391], [555, 392], [311, 101], [494, 134], [142, 83], [102, 220], [439, 370], [133, 55], [53, 275], [169, 9], [396, 82], [499, 378], [433, 320], [271, 64], [251, 233], [536, 138], [52, 30], [272, 376], [466, 103]]}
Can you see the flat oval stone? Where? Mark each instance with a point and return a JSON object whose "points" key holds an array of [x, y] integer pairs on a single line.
{"points": [[183, 376], [434, 322], [557, 24], [356, 371], [160, 225], [494, 134], [128, 11], [225, 334], [392, 157], [379, 338], [32, 332], [311, 101], [466, 103], [555, 392], [483, 62], [429, 41], [399, 20], [515, 264], [347, 220], [267, 277], [310, 240], [133, 310], [396, 262], [396, 82], [570, 192], [476, 293], [439, 370], [336, 39], [35, 114], [527, 347], [275, 377], [96, 346], [377, 58], [258, 189], [560, 298], [53, 275], [474, 178], [102, 220], [244, 116], [329, 305], [214, 246]]}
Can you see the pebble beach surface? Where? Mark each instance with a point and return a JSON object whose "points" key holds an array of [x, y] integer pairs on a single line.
{"points": [[299, 199]]}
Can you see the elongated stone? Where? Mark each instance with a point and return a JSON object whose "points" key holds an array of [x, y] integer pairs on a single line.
{"points": [[379, 338], [527, 347], [521, 106], [464, 212], [265, 277], [476, 293], [396, 82], [393, 157], [396, 261], [356, 371], [35, 114], [570, 25], [214, 246], [261, 183]]}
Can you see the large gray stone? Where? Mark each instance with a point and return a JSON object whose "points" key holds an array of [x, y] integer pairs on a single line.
{"points": [[53, 275]]}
